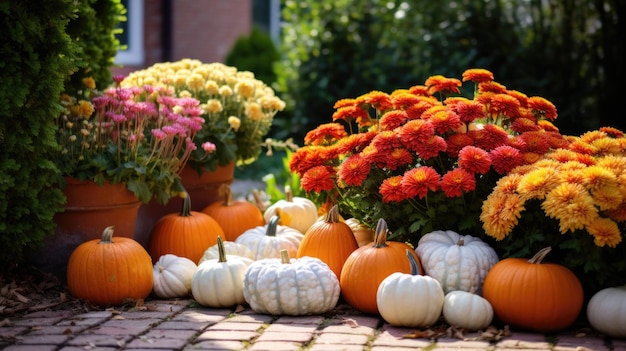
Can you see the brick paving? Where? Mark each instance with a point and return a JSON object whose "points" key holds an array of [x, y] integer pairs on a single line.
{"points": [[181, 325]]}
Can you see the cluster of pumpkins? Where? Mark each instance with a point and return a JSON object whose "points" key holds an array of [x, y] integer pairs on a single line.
{"points": [[288, 261]]}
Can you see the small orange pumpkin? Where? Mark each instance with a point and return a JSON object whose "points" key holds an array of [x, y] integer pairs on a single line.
{"points": [[329, 240], [530, 294], [234, 217], [105, 272], [185, 234], [368, 265], [363, 233]]}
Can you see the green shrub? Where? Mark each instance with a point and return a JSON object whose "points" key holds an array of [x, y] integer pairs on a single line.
{"points": [[38, 57], [255, 53]]}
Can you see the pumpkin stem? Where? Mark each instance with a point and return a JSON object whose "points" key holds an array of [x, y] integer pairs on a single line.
{"points": [[415, 268], [272, 225], [107, 235], [220, 249], [185, 211], [380, 235], [284, 256], [288, 193], [258, 201], [332, 216], [227, 194], [540, 255], [461, 241]]}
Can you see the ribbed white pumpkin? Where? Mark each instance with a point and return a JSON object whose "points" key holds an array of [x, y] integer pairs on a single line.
{"points": [[295, 212], [410, 300], [219, 282], [230, 248], [467, 310], [284, 286], [267, 241], [172, 276], [458, 262], [606, 311]]}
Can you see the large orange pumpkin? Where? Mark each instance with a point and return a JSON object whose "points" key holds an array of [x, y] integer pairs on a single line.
{"points": [[533, 295], [234, 216], [185, 234], [105, 271], [329, 240], [368, 265]]}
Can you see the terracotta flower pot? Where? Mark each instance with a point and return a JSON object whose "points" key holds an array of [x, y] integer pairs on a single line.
{"points": [[88, 211], [202, 189]]}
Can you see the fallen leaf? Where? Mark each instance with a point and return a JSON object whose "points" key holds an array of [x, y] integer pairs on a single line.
{"points": [[351, 322]]}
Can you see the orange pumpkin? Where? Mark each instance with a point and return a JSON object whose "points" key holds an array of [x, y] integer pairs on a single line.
{"points": [[533, 295], [368, 265], [363, 233], [329, 240], [185, 234], [234, 217], [105, 272]]}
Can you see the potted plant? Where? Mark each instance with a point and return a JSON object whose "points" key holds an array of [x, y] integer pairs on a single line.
{"points": [[424, 158]]}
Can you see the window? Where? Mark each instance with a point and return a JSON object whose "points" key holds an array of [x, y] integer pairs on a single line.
{"points": [[266, 15], [132, 36]]}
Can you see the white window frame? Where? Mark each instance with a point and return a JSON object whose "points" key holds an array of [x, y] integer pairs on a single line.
{"points": [[134, 53]]}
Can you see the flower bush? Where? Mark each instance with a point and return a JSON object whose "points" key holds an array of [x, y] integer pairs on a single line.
{"points": [[571, 199], [424, 158], [238, 109], [139, 136]]}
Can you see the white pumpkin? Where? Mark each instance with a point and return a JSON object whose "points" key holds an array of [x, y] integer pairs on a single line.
{"points": [[296, 212], [458, 262], [606, 311], [291, 286], [219, 282], [172, 276], [467, 310], [230, 248], [410, 300], [267, 241]]}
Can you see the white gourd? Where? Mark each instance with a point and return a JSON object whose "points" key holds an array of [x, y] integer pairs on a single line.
{"points": [[293, 287], [296, 212], [230, 248], [219, 282], [467, 310], [267, 241], [606, 311], [172, 276], [410, 300], [458, 262]]}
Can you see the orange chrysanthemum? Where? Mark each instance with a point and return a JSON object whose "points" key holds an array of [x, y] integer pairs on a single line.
{"points": [[393, 119], [376, 99], [469, 111], [441, 84], [508, 184], [500, 214], [542, 108], [353, 171], [607, 197], [505, 158], [416, 110], [605, 232], [505, 105], [571, 205], [535, 142], [445, 121], [391, 189], [402, 100], [419, 90], [521, 97], [491, 87], [415, 132], [489, 137], [598, 177], [521, 125], [456, 142], [318, 179], [537, 183], [547, 126], [325, 134], [307, 157], [350, 113], [613, 132], [429, 148], [418, 181], [474, 160], [344, 103], [477, 75], [606, 146], [457, 181]]}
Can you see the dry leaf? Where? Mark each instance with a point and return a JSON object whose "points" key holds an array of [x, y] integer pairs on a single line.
{"points": [[351, 322], [239, 308], [21, 298], [68, 331]]}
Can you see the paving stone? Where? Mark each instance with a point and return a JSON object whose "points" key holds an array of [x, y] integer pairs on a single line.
{"points": [[457, 343], [288, 337], [91, 348], [275, 346], [30, 348], [228, 325], [323, 347], [393, 337], [589, 342], [88, 340], [34, 322], [42, 339], [182, 325], [216, 345], [364, 321], [144, 315], [49, 314], [227, 335], [95, 314], [342, 339], [152, 343], [395, 348], [170, 333], [58, 330], [251, 318], [85, 322], [9, 332], [299, 320], [520, 340], [291, 328], [348, 329]]}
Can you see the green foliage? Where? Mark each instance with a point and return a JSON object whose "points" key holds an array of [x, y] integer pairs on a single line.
{"points": [[35, 49], [38, 56], [556, 49], [255, 53]]}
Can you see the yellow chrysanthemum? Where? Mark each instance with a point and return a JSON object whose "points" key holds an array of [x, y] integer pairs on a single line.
{"points": [[225, 91], [598, 177], [605, 232], [501, 213], [571, 204], [508, 184], [213, 106], [572, 177], [234, 122], [211, 87], [616, 164], [245, 88], [537, 183], [606, 146], [254, 111], [195, 81], [607, 197]]}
